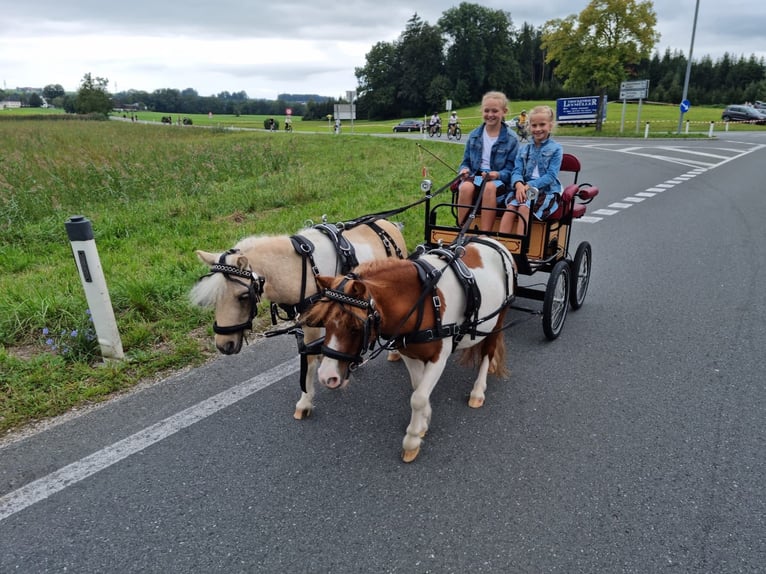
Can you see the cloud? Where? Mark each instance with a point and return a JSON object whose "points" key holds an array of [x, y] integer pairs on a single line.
{"points": [[283, 46]]}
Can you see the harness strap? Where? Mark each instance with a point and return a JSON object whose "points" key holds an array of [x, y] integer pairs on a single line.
{"points": [[344, 248], [385, 239]]}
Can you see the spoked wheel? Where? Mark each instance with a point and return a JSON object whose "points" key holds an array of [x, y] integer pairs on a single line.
{"points": [[580, 275], [556, 301], [458, 134]]}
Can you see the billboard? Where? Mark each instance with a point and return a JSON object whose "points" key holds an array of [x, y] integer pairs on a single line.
{"points": [[578, 110]]}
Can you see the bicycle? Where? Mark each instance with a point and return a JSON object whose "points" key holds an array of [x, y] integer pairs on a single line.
{"points": [[454, 131], [435, 130]]}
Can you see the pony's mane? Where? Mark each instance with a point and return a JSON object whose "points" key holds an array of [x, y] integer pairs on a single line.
{"points": [[325, 311], [376, 267], [208, 290]]}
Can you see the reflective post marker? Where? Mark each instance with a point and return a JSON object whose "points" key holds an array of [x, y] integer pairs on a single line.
{"points": [[80, 232]]}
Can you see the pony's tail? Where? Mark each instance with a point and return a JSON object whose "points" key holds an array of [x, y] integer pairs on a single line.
{"points": [[494, 346]]}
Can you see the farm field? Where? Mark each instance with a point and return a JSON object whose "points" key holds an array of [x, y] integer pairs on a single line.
{"points": [[154, 195]]}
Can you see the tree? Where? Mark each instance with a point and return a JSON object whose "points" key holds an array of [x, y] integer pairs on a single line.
{"points": [[420, 60], [92, 97], [53, 91], [378, 80], [480, 49], [596, 49], [35, 101]]}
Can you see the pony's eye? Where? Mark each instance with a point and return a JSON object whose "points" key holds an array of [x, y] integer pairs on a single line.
{"points": [[244, 298]]}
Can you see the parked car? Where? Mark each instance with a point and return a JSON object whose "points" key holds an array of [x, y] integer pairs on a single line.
{"points": [[409, 126], [759, 105], [743, 114]]}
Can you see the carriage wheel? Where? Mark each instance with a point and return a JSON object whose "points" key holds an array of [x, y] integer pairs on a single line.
{"points": [[556, 301], [580, 275]]}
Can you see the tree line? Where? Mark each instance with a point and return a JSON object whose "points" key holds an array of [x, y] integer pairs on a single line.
{"points": [[472, 49]]}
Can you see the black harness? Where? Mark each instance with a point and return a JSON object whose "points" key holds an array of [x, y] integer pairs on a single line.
{"points": [[429, 277], [254, 288], [346, 261]]}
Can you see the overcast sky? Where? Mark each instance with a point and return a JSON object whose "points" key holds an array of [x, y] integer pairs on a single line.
{"points": [[282, 46]]}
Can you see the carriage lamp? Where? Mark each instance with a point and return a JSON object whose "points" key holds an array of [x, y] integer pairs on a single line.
{"points": [[80, 232]]}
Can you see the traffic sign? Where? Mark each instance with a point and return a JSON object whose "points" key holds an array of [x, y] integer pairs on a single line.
{"points": [[634, 90], [632, 94], [635, 85], [685, 105]]}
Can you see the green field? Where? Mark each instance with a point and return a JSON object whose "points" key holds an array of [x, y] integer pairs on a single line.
{"points": [[155, 194], [663, 120]]}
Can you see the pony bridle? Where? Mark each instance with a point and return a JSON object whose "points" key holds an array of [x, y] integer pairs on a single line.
{"points": [[370, 324], [254, 286]]}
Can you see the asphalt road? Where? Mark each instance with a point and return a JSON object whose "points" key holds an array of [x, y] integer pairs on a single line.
{"points": [[633, 443]]}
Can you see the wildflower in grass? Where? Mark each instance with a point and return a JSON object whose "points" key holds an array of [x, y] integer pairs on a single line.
{"points": [[79, 344]]}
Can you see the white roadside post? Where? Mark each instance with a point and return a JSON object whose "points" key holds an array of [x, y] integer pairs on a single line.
{"points": [[80, 232]]}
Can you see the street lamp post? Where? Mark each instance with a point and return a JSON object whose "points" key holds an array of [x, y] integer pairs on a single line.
{"points": [[688, 66]]}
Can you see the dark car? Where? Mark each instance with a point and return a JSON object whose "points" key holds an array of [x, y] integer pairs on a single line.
{"points": [[743, 114], [409, 126]]}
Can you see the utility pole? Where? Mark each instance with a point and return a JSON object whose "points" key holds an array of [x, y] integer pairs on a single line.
{"points": [[688, 67]]}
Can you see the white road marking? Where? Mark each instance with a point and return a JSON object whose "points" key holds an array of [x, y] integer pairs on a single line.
{"points": [[73, 473]]}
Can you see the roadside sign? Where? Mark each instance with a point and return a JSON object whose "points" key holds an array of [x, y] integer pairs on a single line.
{"points": [[635, 85], [632, 94], [634, 90], [685, 105]]}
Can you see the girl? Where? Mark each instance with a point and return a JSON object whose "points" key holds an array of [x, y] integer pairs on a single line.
{"points": [[537, 165], [489, 153]]}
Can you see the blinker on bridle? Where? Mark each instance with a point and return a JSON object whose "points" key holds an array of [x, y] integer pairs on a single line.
{"points": [[254, 288]]}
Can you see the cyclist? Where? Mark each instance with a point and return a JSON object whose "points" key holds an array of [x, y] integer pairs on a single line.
{"points": [[452, 124], [433, 123]]}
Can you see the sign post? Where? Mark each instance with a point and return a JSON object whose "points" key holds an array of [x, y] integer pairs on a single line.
{"points": [[351, 96], [633, 90]]}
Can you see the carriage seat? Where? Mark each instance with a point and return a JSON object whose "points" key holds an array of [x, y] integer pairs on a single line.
{"points": [[568, 205]]}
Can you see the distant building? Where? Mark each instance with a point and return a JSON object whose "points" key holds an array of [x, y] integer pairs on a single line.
{"points": [[9, 105]]}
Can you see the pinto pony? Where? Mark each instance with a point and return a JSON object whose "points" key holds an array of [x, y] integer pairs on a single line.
{"points": [[426, 307], [283, 269]]}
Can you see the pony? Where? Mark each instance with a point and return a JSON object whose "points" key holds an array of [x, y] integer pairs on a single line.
{"points": [[283, 270], [426, 307]]}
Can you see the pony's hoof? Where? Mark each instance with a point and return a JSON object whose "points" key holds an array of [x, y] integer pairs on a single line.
{"points": [[301, 414], [410, 455], [394, 356], [475, 402]]}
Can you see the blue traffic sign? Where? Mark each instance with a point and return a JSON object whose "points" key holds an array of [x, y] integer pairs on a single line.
{"points": [[685, 105]]}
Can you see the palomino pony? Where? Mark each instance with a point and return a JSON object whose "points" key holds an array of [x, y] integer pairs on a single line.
{"points": [[283, 269], [426, 307]]}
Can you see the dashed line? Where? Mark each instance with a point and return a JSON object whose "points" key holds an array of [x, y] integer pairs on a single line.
{"points": [[698, 168]]}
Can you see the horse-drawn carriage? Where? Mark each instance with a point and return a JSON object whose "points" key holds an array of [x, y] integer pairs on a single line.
{"points": [[544, 247], [451, 294]]}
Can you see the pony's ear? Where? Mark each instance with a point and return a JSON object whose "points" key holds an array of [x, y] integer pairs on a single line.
{"points": [[324, 281], [358, 289], [242, 262], [208, 258]]}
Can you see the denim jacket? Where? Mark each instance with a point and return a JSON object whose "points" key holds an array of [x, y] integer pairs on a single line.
{"points": [[502, 156], [548, 160]]}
